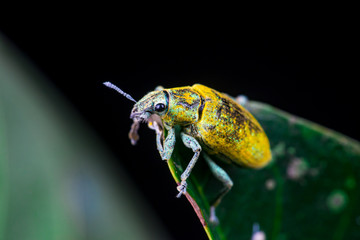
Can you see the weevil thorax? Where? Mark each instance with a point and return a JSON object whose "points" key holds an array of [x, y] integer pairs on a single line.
{"points": [[183, 108], [155, 102]]}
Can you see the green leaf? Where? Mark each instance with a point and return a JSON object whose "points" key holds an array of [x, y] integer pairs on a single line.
{"points": [[309, 191]]}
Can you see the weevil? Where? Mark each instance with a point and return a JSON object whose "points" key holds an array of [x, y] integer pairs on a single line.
{"points": [[211, 123]]}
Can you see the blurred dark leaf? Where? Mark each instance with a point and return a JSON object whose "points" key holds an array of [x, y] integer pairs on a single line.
{"points": [[54, 181]]}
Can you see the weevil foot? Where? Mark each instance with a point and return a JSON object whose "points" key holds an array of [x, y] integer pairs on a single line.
{"points": [[213, 218], [181, 188]]}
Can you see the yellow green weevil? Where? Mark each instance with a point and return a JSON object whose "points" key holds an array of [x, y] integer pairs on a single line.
{"points": [[210, 121]]}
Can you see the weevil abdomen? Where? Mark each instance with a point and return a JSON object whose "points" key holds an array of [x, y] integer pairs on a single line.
{"points": [[228, 130]]}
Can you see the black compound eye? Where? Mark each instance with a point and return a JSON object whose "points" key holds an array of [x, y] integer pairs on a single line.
{"points": [[159, 107]]}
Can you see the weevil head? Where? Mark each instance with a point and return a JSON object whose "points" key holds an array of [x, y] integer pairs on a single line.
{"points": [[155, 102]]}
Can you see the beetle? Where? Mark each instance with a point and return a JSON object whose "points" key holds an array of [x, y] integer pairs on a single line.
{"points": [[211, 123]]}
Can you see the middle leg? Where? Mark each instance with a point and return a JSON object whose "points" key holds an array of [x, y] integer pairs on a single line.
{"points": [[192, 143]]}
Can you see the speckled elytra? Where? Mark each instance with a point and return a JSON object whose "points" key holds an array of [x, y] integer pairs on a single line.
{"points": [[210, 121]]}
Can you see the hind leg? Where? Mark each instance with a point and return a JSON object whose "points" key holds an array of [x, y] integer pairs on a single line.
{"points": [[222, 176]]}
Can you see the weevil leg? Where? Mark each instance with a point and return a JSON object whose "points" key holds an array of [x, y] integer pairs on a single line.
{"points": [[154, 125], [222, 176], [165, 149], [189, 142], [169, 144], [158, 139]]}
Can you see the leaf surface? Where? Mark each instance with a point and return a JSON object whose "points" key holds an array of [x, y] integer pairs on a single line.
{"points": [[310, 190]]}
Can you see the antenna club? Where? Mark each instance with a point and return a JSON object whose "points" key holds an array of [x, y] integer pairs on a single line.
{"points": [[108, 84]]}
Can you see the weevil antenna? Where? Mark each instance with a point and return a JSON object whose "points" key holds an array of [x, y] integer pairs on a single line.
{"points": [[110, 85]]}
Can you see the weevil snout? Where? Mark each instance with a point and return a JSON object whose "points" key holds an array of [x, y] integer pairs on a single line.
{"points": [[138, 114], [134, 112]]}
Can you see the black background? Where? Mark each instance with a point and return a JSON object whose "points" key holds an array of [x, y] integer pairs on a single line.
{"points": [[300, 68]]}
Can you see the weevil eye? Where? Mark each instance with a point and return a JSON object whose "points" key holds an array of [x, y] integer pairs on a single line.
{"points": [[159, 107]]}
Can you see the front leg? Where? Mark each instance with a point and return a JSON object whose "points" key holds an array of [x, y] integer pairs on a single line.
{"points": [[169, 144], [165, 149], [155, 124]]}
